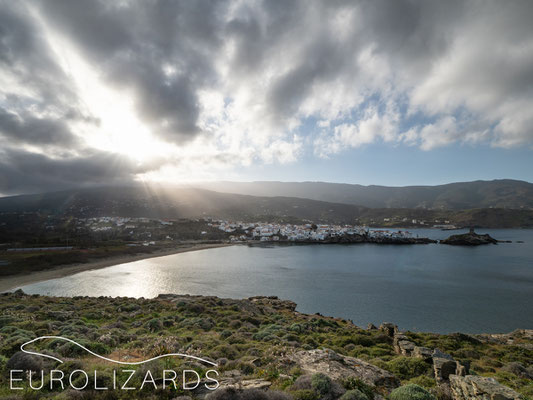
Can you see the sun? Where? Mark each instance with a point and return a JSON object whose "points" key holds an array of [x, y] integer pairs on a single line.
{"points": [[121, 131]]}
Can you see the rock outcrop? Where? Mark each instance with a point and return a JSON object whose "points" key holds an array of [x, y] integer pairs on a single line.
{"points": [[469, 239], [339, 367], [513, 338], [402, 345], [473, 387], [388, 328], [425, 353], [444, 365]]}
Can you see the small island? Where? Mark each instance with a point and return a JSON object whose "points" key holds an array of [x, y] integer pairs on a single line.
{"points": [[469, 239]]}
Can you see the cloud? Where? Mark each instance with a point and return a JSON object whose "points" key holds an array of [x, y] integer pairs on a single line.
{"points": [[236, 83], [159, 53], [24, 171], [33, 130], [369, 127]]}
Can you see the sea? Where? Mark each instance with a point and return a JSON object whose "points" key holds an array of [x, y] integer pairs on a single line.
{"points": [[432, 287]]}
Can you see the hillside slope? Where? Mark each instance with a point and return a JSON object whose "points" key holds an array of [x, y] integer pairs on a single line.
{"points": [[175, 203], [505, 193], [159, 202]]}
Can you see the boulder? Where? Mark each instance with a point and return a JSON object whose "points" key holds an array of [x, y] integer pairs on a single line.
{"points": [[519, 370], [439, 354], [444, 365], [388, 328], [402, 345], [247, 384], [443, 368], [339, 367], [424, 353], [406, 347], [473, 387]]}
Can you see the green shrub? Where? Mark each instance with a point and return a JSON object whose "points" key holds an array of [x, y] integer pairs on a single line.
{"points": [[69, 366], [69, 349], [306, 394], [298, 328], [354, 395], [154, 325], [235, 324], [129, 308], [225, 334], [226, 351], [291, 338], [3, 362], [5, 320], [25, 362], [321, 384], [198, 322], [352, 383], [378, 352], [424, 381], [407, 368], [12, 343], [268, 332], [359, 340], [247, 368], [350, 347], [411, 392]]}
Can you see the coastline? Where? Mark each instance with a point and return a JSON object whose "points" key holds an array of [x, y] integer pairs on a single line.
{"points": [[14, 281]]}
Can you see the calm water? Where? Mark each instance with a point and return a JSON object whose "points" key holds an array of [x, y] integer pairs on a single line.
{"points": [[420, 287]]}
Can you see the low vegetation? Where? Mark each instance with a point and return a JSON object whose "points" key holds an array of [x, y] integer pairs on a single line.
{"points": [[248, 339]]}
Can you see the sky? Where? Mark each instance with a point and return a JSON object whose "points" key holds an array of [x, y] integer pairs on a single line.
{"points": [[395, 93]]}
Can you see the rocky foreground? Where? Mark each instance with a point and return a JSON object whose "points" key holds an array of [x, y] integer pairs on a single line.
{"points": [[263, 349]]}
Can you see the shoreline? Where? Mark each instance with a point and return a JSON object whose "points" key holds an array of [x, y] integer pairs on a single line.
{"points": [[14, 281], [11, 282]]}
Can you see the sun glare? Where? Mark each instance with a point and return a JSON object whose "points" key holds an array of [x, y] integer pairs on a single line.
{"points": [[118, 129]]}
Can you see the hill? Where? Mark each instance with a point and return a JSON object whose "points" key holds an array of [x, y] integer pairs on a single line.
{"points": [[505, 193], [180, 202], [157, 202]]}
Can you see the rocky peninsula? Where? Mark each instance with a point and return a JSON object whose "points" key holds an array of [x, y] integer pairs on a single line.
{"points": [[262, 348]]}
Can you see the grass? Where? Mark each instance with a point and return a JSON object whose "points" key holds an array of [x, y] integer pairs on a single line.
{"points": [[243, 336]]}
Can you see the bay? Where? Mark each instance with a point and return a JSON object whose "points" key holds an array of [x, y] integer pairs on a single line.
{"points": [[433, 287]]}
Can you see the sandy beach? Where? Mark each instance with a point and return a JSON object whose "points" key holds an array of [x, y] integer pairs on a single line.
{"points": [[15, 281]]}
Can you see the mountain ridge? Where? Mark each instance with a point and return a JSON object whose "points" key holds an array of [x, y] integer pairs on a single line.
{"points": [[188, 202], [498, 193]]}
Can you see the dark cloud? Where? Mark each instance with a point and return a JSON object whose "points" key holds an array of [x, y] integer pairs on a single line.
{"points": [[39, 101], [424, 73], [26, 172], [35, 131], [160, 51], [30, 62]]}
